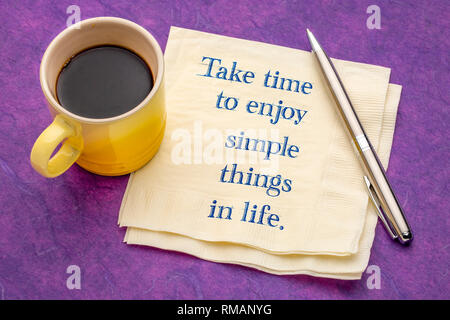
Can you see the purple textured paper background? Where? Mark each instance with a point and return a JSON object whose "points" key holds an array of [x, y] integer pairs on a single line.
{"points": [[49, 224]]}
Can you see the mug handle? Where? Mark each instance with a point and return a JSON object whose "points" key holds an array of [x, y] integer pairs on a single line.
{"points": [[58, 132]]}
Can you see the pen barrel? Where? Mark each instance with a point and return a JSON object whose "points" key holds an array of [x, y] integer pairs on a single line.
{"points": [[367, 155], [383, 190]]}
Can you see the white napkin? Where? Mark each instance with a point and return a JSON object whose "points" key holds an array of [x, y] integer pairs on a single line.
{"points": [[318, 222]]}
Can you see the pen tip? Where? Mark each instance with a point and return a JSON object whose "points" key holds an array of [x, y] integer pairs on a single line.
{"points": [[313, 41]]}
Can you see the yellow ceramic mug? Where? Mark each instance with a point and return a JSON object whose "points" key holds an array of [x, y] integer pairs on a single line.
{"points": [[111, 146]]}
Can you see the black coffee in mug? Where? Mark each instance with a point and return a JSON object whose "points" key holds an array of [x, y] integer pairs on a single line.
{"points": [[103, 82]]}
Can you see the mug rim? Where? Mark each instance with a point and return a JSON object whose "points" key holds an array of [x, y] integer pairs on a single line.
{"points": [[158, 79]]}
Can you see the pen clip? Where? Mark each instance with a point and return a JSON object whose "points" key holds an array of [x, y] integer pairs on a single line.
{"points": [[380, 213]]}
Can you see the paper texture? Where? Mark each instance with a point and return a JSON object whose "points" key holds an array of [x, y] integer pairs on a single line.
{"points": [[318, 223], [350, 267]]}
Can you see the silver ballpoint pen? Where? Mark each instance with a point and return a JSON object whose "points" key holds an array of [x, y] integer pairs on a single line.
{"points": [[378, 187]]}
